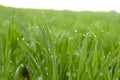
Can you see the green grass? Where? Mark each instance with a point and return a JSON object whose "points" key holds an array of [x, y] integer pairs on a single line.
{"points": [[59, 45]]}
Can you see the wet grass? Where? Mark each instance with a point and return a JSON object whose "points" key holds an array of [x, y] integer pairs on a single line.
{"points": [[59, 45]]}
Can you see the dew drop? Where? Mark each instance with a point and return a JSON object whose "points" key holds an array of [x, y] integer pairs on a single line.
{"points": [[46, 73], [21, 65], [11, 62], [74, 74], [109, 53], [68, 74], [42, 62], [87, 34], [107, 33], [42, 12], [14, 16], [37, 27], [23, 39], [43, 16], [75, 30], [118, 61], [119, 42], [117, 78], [103, 56], [76, 70], [29, 28], [83, 34], [46, 68], [102, 31], [54, 42], [38, 43], [17, 38], [86, 71], [35, 17], [101, 74], [76, 54], [107, 56], [49, 49], [70, 38], [94, 35], [39, 78], [28, 44], [51, 56], [10, 71]]}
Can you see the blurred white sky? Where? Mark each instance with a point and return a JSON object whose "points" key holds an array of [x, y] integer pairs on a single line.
{"points": [[75, 5]]}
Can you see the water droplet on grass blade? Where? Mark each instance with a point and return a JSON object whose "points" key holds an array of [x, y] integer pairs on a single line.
{"points": [[68, 74], [102, 31], [14, 16], [103, 56], [29, 28], [42, 12], [119, 42], [94, 35], [49, 49], [46, 73], [83, 34], [51, 56], [23, 39], [87, 34], [35, 17], [11, 62], [37, 27], [42, 62], [17, 38], [76, 54], [107, 56], [75, 30], [46, 68], [86, 70], [43, 16], [28, 44], [70, 38], [74, 74], [107, 33], [39, 78], [21, 65], [109, 53], [101, 74]]}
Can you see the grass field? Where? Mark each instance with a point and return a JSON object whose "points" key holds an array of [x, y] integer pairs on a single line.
{"points": [[59, 45]]}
